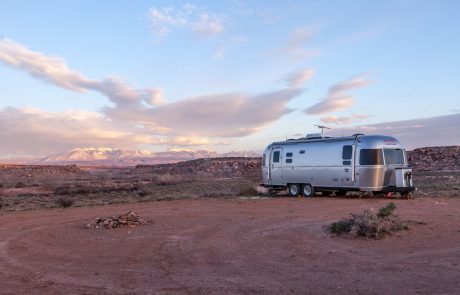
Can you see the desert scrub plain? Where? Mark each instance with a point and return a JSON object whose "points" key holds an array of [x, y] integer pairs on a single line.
{"points": [[216, 235], [26, 187], [436, 173]]}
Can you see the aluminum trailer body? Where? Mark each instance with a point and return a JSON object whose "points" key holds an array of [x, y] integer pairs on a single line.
{"points": [[373, 163]]}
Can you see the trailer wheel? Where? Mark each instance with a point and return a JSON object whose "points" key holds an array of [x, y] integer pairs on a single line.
{"points": [[294, 189], [308, 190]]}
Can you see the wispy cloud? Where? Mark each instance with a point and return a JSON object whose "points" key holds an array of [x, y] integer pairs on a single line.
{"points": [[337, 98], [296, 47], [344, 120], [187, 17], [433, 131], [298, 78], [227, 44], [55, 70]]}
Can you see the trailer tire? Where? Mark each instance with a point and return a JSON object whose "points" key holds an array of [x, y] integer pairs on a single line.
{"points": [[294, 190], [308, 190]]}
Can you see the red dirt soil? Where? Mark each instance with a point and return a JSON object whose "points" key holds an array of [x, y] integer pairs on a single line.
{"points": [[230, 246]]}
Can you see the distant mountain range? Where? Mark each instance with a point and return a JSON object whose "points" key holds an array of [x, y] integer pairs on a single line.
{"points": [[118, 157]]}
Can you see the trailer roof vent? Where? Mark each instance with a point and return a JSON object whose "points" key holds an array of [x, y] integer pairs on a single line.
{"points": [[314, 136]]}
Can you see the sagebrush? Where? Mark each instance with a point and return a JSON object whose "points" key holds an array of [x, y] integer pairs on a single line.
{"points": [[370, 224]]}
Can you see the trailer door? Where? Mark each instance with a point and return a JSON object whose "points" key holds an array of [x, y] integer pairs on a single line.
{"points": [[275, 166], [347, 165]]}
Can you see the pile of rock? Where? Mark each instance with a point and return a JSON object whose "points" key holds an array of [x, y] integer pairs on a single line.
{"points": [[129, 219]]}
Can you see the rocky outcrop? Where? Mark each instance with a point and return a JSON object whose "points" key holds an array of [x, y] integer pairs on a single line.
{"points": [[211, 167], [29, 171], [445, 158]]}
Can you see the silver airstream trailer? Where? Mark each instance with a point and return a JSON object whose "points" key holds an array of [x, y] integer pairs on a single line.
{"points": [[315, 163]]}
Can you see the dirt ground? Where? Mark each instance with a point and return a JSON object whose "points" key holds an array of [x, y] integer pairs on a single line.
{"points": [[228, 246]]}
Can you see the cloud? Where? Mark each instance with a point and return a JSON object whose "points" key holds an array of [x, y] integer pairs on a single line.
{"points": [[188, 17], [345, 119], [35, 132], [227, 44], [55, 70], [136, 117], [296, 44], [422, 132], [219, 115], [298, 78], [337, 98]]}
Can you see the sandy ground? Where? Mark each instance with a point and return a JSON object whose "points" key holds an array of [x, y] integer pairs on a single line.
{"points": [[230, 246]]}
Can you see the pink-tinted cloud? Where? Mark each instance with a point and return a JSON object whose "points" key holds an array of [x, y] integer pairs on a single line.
{"points": [[432, 131], [345, 120], [298, 78], [55, 70], [337, 98]]}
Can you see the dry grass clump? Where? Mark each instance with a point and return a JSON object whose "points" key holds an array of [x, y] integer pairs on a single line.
{"points": [[167, 179], [65, 202], [370, 224], [248, 190], [20, 184]]}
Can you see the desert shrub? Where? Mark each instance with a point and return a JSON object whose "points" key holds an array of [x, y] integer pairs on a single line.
{"points": [[65, 202], [142, 192], [369, 224], [386, 210], [248, 190], [167, 179], [20, 184], [63, 190], [82, 190]]}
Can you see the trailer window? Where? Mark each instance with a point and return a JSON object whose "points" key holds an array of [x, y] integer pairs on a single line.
{"points": [[302, 152], [276, 157], [288, 154], [288, 161], [347, 154], [370, 157], [394, 156]]}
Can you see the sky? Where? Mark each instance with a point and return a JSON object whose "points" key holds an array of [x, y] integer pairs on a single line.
{"points": [[224, 75]]}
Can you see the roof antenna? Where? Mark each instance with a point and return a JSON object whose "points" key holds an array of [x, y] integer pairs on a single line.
{"points": [[322, 128]]}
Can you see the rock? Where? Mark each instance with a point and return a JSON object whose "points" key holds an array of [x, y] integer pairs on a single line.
{"points": [[129, 219], [444, 158]]}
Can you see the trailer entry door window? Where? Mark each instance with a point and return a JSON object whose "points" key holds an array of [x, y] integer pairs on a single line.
{"points": [[276, 157], [347, 152], [371, 157], [393, 156]]}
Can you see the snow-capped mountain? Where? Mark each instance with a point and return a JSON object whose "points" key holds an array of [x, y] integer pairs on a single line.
{"points": [[95, 154], [118, 157]]}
